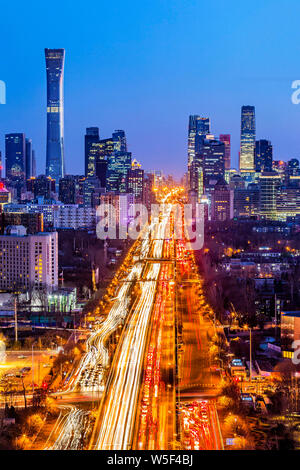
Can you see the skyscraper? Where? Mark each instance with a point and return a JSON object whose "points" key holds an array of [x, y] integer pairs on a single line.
{"points": [[247, 139], [91, 137], [269, 185], [55, 165], [263, 155], [33, 163], [67, 189], [135, 180], [118, 167], [210, 158], [197, 126], [222, 202], [119, 139], [15, 150], [28, 158], [226, 139]]}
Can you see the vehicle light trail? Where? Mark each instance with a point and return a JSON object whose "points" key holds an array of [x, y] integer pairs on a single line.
{"points": [[117, 414], [74, 429], [89, 373]]}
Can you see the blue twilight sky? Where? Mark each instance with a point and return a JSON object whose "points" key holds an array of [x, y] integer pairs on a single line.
{"points": [[144, 66]]}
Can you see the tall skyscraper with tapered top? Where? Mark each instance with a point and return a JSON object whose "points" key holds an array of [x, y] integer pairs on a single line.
{"points": [[55, 165], [247, 149]]}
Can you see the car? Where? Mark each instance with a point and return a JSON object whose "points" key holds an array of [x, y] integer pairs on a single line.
{"points": [[22, 357]]}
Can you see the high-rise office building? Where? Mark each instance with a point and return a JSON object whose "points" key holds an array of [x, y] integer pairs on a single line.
{"points": [[55, 165], [197, 126], [15, 151], [41, 186], [211, 157], [247, 148], [226, 139], [246, 201], [118, 166], [269, 185], [222, 202], [28, 158], [33, 169], [90, 150], [119, 140], [293, 168], [135, 181], [67, 190], [91, 192], [263, 155], [97, 152]]}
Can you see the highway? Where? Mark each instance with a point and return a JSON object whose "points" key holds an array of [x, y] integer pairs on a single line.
{"points": [[71, 429], [160, 366], [118, 409], [88, 376], [156, 413]]}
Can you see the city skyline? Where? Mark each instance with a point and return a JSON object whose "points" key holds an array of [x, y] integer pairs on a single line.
{"points": [[150, 229], [95, 95]]}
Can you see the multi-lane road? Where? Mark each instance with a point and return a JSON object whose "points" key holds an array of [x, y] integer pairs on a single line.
{"points": [[143, 384]]}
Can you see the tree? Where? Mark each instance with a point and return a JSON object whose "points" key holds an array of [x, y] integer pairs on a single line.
{"points": [[34, 423]]}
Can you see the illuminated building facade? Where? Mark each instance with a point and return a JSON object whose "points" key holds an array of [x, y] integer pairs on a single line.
{"points": [[225, 138], [42, 185], [290, 332], [28, 261], [55, 165], [5, 195], [90, 150], [211, 156], [118, 166], [246, 201], [73, 216], [197, 126], [33, 222], [135, 181], [119, 141], [269, 185], [15, 150], [29, 156], [293, 167], [263, 155], [248, 133], [222, 202], [67, 190]]}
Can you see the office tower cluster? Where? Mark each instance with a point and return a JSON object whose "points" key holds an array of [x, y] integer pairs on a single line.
{"points": [[208, 165], [35, 207], [261, 188], [108, 165]]}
